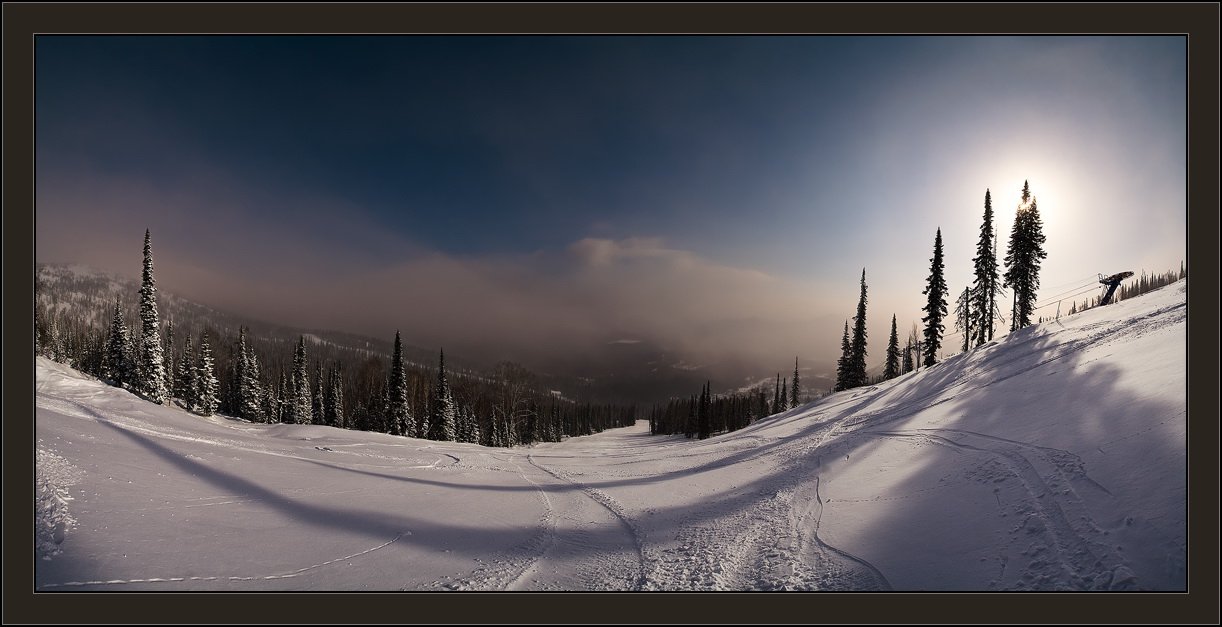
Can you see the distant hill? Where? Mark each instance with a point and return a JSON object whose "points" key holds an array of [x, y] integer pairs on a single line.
{"points": [[629, 372]]}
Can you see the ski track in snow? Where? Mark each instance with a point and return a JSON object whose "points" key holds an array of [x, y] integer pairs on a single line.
{"points": [[285, 575], [612, 506], [526, 567], [548, 523], [511, 571], [765, 546], [1055, 545]]}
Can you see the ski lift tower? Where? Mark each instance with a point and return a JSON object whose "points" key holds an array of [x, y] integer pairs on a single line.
{"points": [[1112, 282]]}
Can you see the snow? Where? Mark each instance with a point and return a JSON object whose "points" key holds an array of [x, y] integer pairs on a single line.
{"points": [[1050, 459], [53, 477]]}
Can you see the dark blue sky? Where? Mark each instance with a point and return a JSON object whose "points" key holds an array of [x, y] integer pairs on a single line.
{"points": [[535, 140], [795, 160]]}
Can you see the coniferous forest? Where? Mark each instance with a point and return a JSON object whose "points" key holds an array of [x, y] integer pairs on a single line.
{"points": [[207, 370]]}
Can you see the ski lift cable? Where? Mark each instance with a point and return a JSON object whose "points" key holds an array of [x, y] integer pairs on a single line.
{"points": [[1049, 304], [1052, 301], [1090, 284], [1066, 293], [1075, 281]]}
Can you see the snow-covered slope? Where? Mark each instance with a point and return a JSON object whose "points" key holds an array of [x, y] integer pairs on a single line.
{"points": [[1050, 459]]}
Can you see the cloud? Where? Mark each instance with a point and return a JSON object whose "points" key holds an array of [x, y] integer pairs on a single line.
{"points": [[326, 265]]}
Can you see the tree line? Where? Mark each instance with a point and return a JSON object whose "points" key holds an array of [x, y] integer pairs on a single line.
{"points": [[255, 380], [978, 307], [977, 312], [704, 415]]}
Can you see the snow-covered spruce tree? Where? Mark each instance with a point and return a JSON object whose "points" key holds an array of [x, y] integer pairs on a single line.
{"points": [[776, 396], [986, 288], [935, 304], [1023, 258], [252, 402], [335, 398], [316, 404], [892, 369], [842, 364], [857, 363], [300, 411], [238, 375], [964, 315], [185, 386], [151, 364], [249, 385], [116, 366], [442, 418], [398, 415], [794, 393], [268, 403], [205, 379], [474, 427], [460, 423]]}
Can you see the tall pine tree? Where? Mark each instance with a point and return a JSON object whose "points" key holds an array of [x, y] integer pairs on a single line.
{"points": [[206, 391], [843, 364], [964, 314], [794, 394], [246, 377], [442, 425], [397, 413], [986, 287], [117, 368], [892, 369], [335, 398], [1026, 250], [857, 353], [300, 411], [935, 305], [151, 364], [187, 372]]}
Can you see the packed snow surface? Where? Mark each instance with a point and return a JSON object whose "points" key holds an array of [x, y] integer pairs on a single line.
{"points": [[1050, 459]]}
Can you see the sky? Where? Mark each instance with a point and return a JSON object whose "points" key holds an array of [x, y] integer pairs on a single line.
{"points": [[551, 199]]}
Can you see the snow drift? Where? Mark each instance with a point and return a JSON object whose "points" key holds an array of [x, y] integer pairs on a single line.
{"points": [[1050, 459]]}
